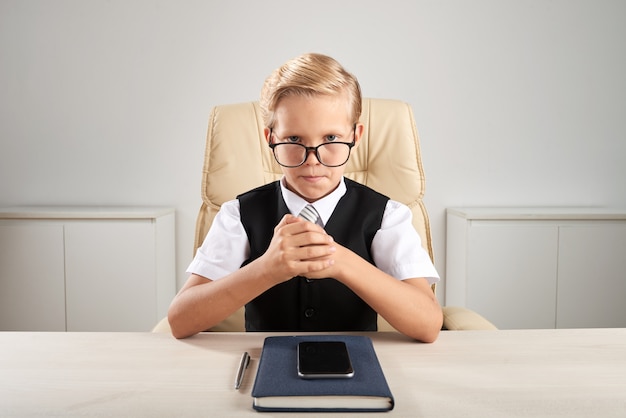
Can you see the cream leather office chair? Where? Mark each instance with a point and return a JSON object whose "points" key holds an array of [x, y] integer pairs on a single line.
{"points": [[387, 159]]}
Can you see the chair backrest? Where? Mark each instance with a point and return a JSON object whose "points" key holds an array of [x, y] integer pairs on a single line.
{"points": [[237, 158]]}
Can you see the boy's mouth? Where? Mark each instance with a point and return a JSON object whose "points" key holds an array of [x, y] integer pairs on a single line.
{"points": [[312, 179]]}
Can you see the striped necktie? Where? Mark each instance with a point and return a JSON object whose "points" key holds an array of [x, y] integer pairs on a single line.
{"points": [[309, 213]]}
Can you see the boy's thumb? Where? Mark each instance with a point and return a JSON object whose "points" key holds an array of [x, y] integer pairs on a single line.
{"points": [[288, 219]]}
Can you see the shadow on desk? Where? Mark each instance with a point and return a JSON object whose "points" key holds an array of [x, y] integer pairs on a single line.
{"points": [[227, 342]]}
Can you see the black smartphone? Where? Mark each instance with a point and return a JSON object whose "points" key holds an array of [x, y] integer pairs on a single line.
{"points": [[324, 360]]}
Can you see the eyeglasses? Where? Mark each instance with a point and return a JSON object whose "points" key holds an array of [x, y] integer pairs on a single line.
{"points": [[330, 154]]}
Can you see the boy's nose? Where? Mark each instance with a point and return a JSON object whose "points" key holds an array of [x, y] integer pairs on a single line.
{"points": [[308, 160]]}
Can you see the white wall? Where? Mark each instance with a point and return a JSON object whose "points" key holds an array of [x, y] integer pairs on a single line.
{"points": [[517, 102]]}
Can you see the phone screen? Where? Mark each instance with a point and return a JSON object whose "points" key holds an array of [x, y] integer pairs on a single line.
{"points": [[324, 360]]}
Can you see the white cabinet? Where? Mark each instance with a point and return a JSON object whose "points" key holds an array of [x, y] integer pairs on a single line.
{"points": [[538, 267], [85, 268]]}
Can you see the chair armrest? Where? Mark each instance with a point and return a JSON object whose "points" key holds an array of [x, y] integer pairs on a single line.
{"points": [[456, 318], [162, 326], [234, 323]]}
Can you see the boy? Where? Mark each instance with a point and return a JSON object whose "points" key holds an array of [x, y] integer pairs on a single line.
{"points": [[357, 256]]}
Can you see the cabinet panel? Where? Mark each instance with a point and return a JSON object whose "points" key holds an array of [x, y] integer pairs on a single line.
{"points": [[538, 267], [511, 273], [110, 275], [85, 268], [32, 283], [592, 276]]}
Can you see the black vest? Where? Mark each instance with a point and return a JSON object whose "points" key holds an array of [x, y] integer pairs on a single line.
{"points": [[316, 305]]}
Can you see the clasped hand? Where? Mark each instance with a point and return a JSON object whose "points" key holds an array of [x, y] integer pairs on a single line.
{"points": [[300, 248]]}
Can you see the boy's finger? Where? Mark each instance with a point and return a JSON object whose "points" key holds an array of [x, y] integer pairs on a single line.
{"points": [[287, 219]]}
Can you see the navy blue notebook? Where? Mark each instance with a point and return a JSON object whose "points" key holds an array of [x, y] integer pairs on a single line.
{"points": [[277, 386]]}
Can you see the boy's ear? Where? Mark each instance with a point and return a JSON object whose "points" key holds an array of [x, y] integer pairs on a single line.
{"points": [[266, 132], [358, 133]]}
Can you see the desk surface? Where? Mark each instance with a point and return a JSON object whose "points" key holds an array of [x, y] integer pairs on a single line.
{"points": [[569, 373]]}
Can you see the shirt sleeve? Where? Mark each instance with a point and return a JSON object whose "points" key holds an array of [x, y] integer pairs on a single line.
{"points": [[225, 246], [397, 248]]}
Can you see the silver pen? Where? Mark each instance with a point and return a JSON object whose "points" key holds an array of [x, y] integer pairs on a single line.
{"points": [[243, 365]]}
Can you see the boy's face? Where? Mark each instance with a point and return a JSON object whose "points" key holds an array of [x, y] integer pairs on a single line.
{"points": [[312, 121]]}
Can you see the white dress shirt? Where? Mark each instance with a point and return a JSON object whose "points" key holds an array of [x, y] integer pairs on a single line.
{"points": [[396, 247]]}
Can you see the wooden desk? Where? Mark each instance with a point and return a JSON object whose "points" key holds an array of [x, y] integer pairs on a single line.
{"points": [[547, 373]]}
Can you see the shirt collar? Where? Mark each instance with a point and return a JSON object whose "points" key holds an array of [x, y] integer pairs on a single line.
{"points": [[324, 206]]}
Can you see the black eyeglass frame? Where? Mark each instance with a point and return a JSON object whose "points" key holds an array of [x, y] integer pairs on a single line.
{"points": [[314, 149]]}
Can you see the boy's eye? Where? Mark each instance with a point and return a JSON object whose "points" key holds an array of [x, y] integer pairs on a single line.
{"points": [[331, 138], [293, 139]]}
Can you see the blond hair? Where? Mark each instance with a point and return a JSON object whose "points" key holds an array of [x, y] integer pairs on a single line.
{"points": [[309, 75]]}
